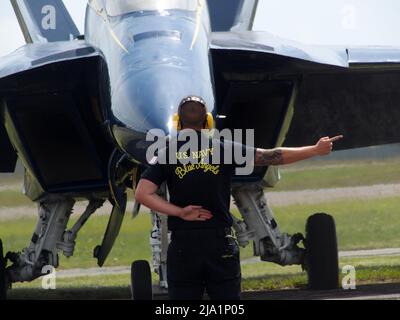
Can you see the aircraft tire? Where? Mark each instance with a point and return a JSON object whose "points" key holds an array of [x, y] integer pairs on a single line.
{"points": [[3, 283], [141, 284], [321, 257]]}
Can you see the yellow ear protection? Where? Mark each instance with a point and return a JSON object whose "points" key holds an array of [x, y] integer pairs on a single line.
{"points": [[208, 123]]}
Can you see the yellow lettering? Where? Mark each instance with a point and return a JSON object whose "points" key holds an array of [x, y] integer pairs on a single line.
{"points": [[195, 154]]}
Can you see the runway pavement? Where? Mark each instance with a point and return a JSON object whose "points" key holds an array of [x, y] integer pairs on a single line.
{"points": [[381, 291]]}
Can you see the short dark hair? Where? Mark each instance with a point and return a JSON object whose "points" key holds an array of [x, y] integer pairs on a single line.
{"points": [[192, 112]]}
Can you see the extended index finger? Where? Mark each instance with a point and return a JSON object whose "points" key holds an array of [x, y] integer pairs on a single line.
{"points": [[336, 138]]}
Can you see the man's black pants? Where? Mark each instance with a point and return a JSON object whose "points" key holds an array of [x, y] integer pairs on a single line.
{"points": [[202, 260]]}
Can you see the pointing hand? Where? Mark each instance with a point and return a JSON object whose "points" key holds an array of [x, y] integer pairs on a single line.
{"points": [[325, 144]]}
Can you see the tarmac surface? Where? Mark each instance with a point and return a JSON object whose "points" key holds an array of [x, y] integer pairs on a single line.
{"points": [[378, 291], [381, 291]]}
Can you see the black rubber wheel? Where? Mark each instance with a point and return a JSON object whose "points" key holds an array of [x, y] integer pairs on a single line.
{"points": [[141, 284], [3, 284], [321, 259]]}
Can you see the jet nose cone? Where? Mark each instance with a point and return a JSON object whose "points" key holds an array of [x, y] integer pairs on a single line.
{"points": [[143, 102], [147, 99]]}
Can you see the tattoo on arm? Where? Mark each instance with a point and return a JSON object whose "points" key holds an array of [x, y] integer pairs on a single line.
{"points": [[268, 157]]}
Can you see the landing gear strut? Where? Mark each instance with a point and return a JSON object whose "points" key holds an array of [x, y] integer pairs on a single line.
{"points": [[50, 237], [159, 241], [319, 257]]}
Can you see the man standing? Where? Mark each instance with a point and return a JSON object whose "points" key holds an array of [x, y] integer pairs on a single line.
{"points": [[203, 255]]}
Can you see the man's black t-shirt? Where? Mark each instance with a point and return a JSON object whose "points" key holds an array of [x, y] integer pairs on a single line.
{"points": [[206, 183]]}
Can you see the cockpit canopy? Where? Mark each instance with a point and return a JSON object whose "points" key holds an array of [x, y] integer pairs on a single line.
{"points": [[120, 7]]}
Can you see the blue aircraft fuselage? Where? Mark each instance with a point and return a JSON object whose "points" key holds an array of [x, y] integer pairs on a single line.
{"points": [[154, 60]]}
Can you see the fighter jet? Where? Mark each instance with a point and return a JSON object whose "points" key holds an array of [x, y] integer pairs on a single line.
{"points": [[75, 109]]}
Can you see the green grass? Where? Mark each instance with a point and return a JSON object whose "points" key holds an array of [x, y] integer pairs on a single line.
{"points": [[294, 177], [347, 174], [97, 287], [371, 224], [360, 224], [14, 198], [132, 242], [11, 191], [363, 224], [267, 276], [256, 277]]}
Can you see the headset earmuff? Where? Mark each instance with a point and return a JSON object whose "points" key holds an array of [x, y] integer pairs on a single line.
{"points": [[176, 120], [209, 121]]}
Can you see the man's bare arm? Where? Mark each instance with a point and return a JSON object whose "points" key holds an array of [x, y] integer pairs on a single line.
{"points": [[266, 157], [146, 195], [280, 156]]}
